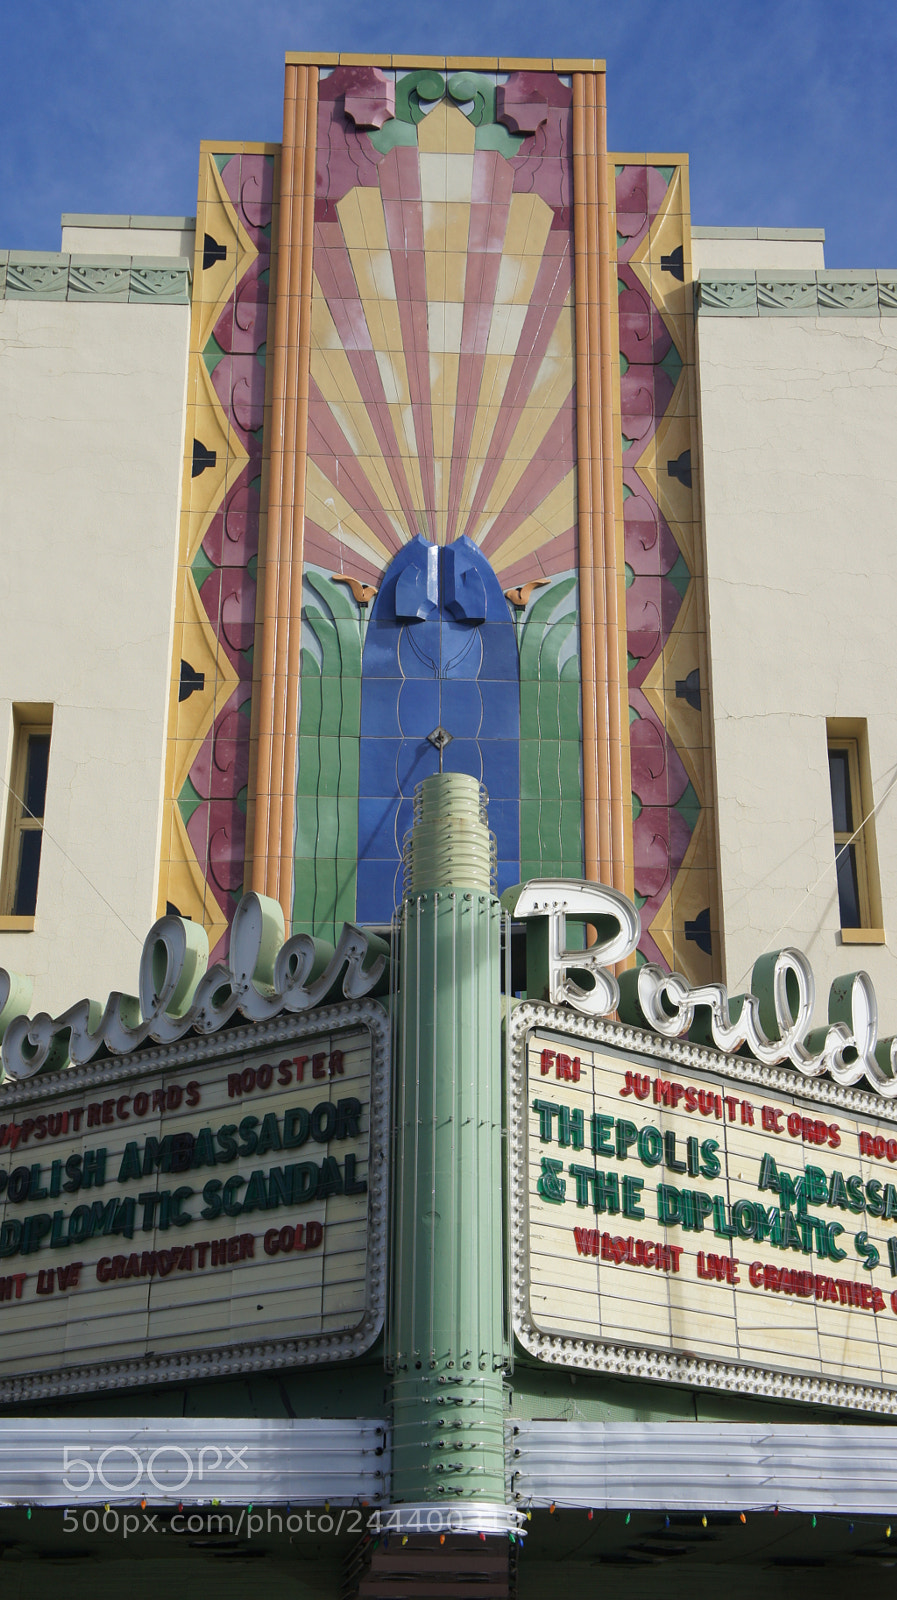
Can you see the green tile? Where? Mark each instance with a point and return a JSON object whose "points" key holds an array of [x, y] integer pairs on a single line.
{"points": [[689, 806], [105, 284], [346, 887], [347, 821], [94, 219], [570, 709], [309, 766], [530, 834], [201, 567], [529, 769], [351, 703], [328, 793], [570, 768], [158, 224], [571, 837], [549, 720], [672, 365], [331, 706], [540, 826], [39, 258], [188, 800], [349, 752], [325, 901], [679, 575], [310, 703], [36, 280], [161, 285], [529, 709], [552, 867], [212, 354], [348, 636], [306, 827]]}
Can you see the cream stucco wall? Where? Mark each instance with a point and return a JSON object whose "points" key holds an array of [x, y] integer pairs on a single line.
{"points": [[799, 419], [747, 249], [128, 236], [91, 416]]}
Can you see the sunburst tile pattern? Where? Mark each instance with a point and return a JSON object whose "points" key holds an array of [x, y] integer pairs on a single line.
{"points": [[442, 362]]}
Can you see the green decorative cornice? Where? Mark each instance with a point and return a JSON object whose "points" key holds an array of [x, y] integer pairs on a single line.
{"points": [[797, 294], [134, 280]]}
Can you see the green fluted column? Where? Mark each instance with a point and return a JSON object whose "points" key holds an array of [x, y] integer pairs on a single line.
{"points": [[446, 1329]]}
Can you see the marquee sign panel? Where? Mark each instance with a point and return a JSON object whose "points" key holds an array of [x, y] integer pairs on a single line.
{"points": [[214, 1206], [702, 1219]]}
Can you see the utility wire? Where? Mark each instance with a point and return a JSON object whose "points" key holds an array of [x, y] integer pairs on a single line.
{"points": [[833, 866], [45, 832]]}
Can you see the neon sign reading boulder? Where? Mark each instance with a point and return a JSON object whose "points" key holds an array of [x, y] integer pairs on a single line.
{"points": [[773, 1021], [264, 976]]}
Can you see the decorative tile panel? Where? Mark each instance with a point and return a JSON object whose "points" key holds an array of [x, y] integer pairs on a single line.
{"points": [[209, 747], [441, 413], [672, 799]]}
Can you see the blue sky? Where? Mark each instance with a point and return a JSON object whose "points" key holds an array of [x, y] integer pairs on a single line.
{"points": [[786, 110]]}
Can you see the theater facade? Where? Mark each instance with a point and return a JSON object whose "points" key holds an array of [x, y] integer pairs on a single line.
{"points": [[449, 736]]}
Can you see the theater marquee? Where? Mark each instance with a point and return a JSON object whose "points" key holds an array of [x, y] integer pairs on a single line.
{"points": [[208, 1207], [699, 1218]]}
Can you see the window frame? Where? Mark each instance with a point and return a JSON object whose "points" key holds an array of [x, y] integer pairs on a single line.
{"points": [[29, 721], [850, 737]]}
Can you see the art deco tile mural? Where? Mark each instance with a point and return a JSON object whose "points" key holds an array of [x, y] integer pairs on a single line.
{"points": [[459, 480], [441, 477]]}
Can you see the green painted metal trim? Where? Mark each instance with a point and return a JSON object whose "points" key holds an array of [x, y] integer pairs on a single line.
{"points": [[447, 1337]]}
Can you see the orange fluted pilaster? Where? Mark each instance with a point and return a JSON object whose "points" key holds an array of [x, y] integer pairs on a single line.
{"points": [[278, 683], [606, 767]]}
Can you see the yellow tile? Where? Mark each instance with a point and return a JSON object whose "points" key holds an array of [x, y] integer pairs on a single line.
{"points": [[523, 64], [418, 61], [306, 58], [472, 63], [574, 64], [364, 61]]}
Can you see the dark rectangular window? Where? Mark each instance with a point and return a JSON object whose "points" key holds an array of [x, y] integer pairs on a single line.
{"points": [[25, 817], [855, 859]]}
